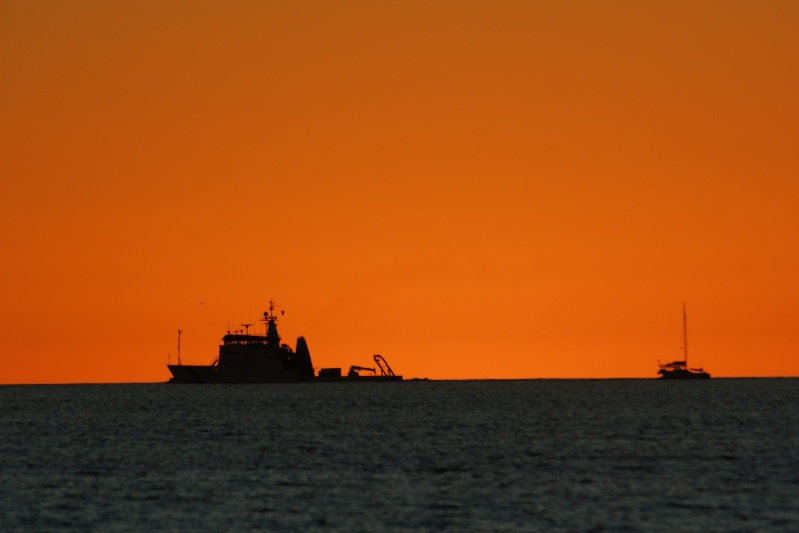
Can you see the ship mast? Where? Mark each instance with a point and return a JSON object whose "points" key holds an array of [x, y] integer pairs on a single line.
{"points": [[684, 337], [179, 332], [270, 318]]}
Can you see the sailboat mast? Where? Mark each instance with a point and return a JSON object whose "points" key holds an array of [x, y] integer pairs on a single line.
{"points": [[684, 337]]}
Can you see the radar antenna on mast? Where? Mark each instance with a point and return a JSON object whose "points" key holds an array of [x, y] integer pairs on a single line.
{"points": [[269, 316]]}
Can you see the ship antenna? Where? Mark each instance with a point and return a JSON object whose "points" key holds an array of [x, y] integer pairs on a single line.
{"points": [[269, 316], [179, 332], [684, 337]]}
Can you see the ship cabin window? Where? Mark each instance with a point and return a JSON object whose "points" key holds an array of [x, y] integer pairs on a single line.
{"points": [[243, 341]]}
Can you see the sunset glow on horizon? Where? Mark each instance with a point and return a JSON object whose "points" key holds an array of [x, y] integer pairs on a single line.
{"points": [[475, 190]]}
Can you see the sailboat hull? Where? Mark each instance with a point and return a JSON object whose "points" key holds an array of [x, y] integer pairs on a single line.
{"points": [[682, 373]]}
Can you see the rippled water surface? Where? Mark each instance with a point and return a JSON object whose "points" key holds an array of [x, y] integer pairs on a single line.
{"points": [[610, 455]]}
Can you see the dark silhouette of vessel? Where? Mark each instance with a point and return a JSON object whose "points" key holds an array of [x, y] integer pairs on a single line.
{"points": [[680, 369], [252, 358]]}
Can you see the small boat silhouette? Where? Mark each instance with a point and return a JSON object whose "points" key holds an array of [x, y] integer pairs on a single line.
{"points": [[680, 369]]}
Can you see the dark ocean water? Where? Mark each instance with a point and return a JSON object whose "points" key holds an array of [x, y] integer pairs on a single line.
{"points": [[608, 455]]}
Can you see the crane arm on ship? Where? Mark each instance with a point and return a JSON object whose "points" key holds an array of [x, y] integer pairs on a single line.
{"points": [[384, 371], [355, 369]]}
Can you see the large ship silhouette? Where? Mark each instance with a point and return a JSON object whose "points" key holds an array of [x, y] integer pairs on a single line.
{"points": [[252, 358]]}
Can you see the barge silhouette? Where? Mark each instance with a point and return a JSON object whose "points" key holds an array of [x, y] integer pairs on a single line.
{"points": [[252, 358]]}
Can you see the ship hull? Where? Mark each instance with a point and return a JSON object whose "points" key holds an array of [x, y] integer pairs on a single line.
{"points": [[212, 374], [683, 374], [359, 379]]}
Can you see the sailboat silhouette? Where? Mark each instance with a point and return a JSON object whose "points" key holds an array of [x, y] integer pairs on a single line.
{"points": [[680, 369]]}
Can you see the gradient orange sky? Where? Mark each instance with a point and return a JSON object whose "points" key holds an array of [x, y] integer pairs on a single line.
{"points": [[472, 189]]}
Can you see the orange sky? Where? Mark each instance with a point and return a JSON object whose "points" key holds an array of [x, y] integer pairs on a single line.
{"points": [[472, 189]]}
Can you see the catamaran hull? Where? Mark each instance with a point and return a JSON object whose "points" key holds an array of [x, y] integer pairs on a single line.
{"points": [[683, 374]]}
